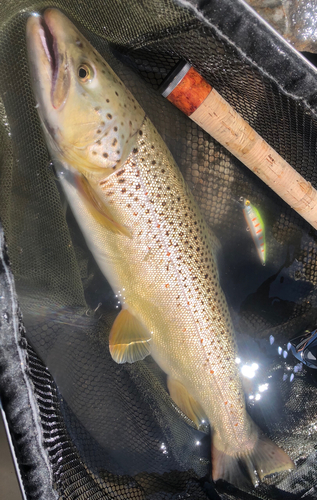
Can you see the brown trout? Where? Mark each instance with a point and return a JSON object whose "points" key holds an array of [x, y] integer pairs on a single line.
{"points": [[147, 234]]}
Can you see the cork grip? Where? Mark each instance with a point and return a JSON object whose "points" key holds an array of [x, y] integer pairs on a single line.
{"points": [[223, 123]]}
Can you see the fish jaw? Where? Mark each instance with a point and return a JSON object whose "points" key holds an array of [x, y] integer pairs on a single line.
{"points": [[88, 123], [40, 64]]}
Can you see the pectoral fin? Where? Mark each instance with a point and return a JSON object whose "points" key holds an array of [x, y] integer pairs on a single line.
{"points": [[98, 208], [185, 401], [129, 340]]}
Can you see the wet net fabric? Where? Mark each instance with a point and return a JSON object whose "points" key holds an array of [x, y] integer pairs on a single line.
{"points": [[111, 431]]}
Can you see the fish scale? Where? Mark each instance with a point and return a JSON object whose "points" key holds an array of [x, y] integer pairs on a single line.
{"points": [[149, 239]]}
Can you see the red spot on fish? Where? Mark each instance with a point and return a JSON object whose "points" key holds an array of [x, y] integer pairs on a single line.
{"points": [[226, 402], [135, 213], [146, 193], [167, 285], [188, 303], [201, 341], [236, 425], [184, 329], [254, 219], [256, 225], [159, 225], [259, 231], [211, 371], [168, 253]]}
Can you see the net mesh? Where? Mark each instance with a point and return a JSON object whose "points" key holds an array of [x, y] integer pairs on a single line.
{"points": [[111, 431]]}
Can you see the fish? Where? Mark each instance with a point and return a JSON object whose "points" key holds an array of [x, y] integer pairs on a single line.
{"points": [[149, 239], [256, 228]]}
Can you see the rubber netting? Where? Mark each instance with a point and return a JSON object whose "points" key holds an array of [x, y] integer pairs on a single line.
{"points": [[111, 431]]}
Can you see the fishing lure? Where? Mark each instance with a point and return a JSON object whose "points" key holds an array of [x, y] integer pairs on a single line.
{"points": [[304, 348], [256, 227]]}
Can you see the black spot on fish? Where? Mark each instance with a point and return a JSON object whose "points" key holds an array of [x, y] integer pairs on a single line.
{"points": [[109, 116], [135, 150], [105, 155], [98, 131], [120, 172]]}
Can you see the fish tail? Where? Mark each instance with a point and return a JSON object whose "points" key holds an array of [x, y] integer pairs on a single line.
{"points": [[239, 468]]}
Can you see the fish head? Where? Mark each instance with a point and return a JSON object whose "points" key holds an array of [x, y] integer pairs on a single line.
{"points": [[89, 118]]}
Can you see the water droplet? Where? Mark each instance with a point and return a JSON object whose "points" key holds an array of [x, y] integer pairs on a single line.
{"points": [[263, 387], [6, 316]]}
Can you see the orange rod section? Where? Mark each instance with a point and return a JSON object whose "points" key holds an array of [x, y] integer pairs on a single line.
{"points": [[190, 92]]}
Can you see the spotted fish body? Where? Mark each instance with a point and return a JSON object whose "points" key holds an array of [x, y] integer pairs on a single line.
{"points": [[256, 227], [149, 239]]}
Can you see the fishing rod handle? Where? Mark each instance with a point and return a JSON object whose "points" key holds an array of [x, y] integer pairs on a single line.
{"points": [[190, 92]]}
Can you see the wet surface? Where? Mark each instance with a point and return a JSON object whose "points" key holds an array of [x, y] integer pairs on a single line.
{"points": [[9, 489]]}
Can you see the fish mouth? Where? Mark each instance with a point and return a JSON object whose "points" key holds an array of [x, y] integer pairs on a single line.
{"points": [[49, 44], [46, 41]]}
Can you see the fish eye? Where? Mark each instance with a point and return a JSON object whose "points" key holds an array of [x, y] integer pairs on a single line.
{"points": [[85, 73], [247, 202]]}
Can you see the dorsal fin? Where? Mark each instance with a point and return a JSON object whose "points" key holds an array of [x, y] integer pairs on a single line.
{"points": [[129, 340]]}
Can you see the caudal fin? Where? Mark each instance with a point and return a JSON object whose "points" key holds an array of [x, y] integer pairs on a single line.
{"points": [[263, 459]]}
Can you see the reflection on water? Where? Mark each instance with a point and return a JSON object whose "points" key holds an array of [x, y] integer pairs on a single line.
{"points": [[249, 371]]}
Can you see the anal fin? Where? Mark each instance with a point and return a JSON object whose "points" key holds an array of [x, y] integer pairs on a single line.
{"points": [[98, 208], [185, 401], [129, 340]]}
